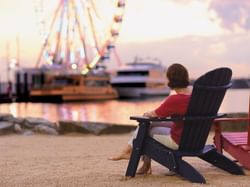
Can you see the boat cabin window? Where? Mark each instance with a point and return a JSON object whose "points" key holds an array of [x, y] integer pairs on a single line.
{"points": [[37, 80], [96, 83], [133, 73], [131, 85], [60, 81]]}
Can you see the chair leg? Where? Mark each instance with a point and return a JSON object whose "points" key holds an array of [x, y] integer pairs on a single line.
{"points": [[137, 150], [133, 163], [222, 162], [159, 153], [217, 137], [167, 158], [187, 171]]}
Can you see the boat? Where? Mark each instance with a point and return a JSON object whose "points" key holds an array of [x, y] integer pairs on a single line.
{"points": [[75, 87], [140, 79], [241, 83]]}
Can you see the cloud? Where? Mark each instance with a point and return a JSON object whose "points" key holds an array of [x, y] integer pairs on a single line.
{"points": [[233, 14], [198, 54]]}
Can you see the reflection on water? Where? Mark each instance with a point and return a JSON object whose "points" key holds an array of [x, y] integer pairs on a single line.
{"points": [[112, 111]]}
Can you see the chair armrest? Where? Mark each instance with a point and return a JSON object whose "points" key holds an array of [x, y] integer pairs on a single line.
{"points": [[179, 118], [204, 117], [231, 120], [148, 119]]}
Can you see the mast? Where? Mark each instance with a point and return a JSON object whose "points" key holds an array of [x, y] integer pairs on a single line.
{"points": [[17, 51], [8, 59]]}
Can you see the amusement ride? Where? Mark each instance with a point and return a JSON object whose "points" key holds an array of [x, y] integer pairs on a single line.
{"points": [[78, 35]]}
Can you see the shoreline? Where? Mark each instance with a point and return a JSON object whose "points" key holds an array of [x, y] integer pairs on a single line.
{"points": [[10, 124]]}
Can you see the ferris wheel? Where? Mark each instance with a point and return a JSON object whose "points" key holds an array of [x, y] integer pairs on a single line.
{"points": [[78, 34]]}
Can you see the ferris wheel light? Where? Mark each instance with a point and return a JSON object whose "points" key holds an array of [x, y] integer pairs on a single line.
{"points": [[94, 62], [110, 46], [114, 33], [121, 4], [118, 18], [74, 66], [105, 57], [49, 61], [85, 71], [13, 63]]}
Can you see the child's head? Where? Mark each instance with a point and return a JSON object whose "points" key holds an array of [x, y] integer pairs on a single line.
{"points": [[177, 76]]}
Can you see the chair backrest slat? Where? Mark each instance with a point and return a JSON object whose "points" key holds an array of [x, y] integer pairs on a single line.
{"points": [[208, 93]]}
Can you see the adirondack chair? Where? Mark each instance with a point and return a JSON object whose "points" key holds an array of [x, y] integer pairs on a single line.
{"points": [[207, 95], [236, 144]]}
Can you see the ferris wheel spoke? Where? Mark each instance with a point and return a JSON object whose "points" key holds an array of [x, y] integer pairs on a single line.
{"points": [[81, 33], [94, 8], [67, 51], [93, 31], [58, 40], [49, 34], [92, 43]]}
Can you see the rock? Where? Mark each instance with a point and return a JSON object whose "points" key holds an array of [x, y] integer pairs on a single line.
{"points": [[31, 122], [70, 126], [6, 117], [28, 133], [96, 128], [18, 120], [45, 130], [6, 127], [18, 128]]}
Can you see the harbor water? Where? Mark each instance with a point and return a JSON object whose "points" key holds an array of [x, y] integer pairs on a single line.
{"points": [[112, 111]]}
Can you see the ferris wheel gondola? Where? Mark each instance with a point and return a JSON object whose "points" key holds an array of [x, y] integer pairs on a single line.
{"points": [[80, 33]]}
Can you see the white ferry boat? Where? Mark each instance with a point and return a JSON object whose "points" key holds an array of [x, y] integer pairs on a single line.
{"points": [[140, 79]]}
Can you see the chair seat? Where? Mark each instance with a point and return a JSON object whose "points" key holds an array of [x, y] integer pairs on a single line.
{"points": [[236, 138], [235, 143]]}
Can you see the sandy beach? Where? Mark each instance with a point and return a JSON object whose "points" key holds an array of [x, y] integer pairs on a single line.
{"points": [[81, 160]]}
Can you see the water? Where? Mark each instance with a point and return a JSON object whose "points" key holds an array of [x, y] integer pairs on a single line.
{"points": [[112, 111]]}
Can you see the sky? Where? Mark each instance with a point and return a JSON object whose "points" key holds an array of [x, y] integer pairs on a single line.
{"points": [[200, 34]]}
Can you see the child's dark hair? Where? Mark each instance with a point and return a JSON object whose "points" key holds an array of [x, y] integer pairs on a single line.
{"points": [[178, 76]]}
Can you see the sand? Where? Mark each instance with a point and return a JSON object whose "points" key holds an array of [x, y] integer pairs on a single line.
{"points": [[81, 160]]}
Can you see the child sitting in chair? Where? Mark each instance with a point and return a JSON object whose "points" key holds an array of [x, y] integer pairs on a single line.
{"points": [[167, 133]]}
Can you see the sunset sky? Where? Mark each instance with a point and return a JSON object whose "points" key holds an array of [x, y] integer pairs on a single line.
{"points": [[201, 34]]}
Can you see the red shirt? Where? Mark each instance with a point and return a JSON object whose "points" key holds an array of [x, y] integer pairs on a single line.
{"points": [[174, 105]]}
